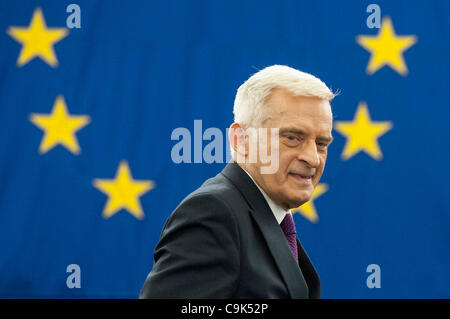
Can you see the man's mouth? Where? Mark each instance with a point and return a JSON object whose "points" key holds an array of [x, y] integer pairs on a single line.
{"points": [[305, 178]]}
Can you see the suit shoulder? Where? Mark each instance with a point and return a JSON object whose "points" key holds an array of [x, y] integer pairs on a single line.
{"points": [[220, 188], [216, 199]]}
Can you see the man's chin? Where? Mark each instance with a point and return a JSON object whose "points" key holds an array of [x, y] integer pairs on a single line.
{"points": [[299, 201]]}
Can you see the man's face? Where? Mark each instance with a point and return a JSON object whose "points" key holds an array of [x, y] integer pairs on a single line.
{"points": [[305, 126]]}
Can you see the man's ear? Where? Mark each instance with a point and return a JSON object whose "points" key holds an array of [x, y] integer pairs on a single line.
{"points": [[236, 135]]}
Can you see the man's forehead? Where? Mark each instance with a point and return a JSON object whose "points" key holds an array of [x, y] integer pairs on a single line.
{"points": [[316, 120], [323, 131], [281, 102]]}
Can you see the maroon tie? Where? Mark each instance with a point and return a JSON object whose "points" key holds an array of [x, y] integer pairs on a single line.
{"points": [[288, 227]]}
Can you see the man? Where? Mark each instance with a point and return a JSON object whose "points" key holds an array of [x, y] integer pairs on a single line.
{"points": [[234, 237]]}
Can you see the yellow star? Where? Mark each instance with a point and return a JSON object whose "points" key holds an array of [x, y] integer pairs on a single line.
{"points": [[308, 210], [59, 127], [362, 133], [37, 40], [386, 48], [123, 192]]}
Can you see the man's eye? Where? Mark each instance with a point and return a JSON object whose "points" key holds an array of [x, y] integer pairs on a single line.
{"points": [[291, 140], [323, 145]]}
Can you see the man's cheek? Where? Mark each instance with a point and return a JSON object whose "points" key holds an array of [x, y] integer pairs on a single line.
{"points": [[317, 178]]}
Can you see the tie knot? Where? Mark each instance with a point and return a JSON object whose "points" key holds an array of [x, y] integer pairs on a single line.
{"points": [[288, 225]]}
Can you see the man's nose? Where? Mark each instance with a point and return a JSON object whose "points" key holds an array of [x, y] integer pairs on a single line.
{"points": [[309, 155]]}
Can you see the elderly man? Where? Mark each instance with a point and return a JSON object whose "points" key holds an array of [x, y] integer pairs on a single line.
{"points": [[234, 237]]}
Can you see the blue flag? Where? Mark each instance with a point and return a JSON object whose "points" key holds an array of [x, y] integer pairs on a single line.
{"points": [[113, 111]]}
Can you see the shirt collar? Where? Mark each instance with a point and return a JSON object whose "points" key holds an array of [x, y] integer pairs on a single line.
{"points": [[276, 209]]}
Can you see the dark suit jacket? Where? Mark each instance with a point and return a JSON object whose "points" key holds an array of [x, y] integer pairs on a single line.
{"points": [[223, 241]]}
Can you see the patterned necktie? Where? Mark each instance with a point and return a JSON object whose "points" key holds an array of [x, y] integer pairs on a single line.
{"points": [[288, 227]]}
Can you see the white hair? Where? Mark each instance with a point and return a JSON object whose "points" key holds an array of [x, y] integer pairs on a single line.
{"points": [[249, 104]]}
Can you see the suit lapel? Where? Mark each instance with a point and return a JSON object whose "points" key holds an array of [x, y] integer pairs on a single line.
{"points": [[309, 272], [271, 230]]}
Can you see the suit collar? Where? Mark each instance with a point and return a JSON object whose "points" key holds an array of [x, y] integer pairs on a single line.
{"points": [[309, 272], [271, 230], [276, 209]]}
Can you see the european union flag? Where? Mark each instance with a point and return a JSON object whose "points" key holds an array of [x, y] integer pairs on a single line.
{"points": [[93, 93]]}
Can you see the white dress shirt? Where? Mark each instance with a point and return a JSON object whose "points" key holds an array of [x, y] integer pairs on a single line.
{"points": [[276, 209]]}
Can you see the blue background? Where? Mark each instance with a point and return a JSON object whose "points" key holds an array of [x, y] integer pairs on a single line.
{"points": [[140, 69]]}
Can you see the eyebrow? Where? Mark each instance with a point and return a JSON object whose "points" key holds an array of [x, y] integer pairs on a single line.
{"points": [[324, 138]]}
